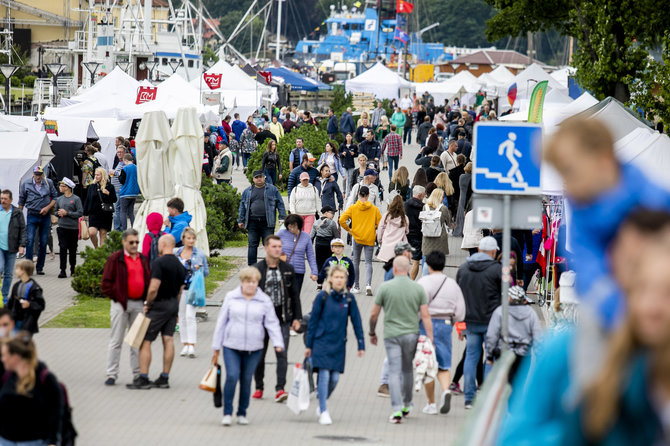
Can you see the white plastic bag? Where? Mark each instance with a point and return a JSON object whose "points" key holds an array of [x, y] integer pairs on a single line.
{"points": [[298, 397]]}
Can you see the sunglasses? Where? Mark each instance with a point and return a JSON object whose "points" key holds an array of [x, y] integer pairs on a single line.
{"points": [[133, 242]]}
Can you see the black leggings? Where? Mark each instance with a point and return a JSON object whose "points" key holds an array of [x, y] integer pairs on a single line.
{"points": [[458, 374], [67, 241]]}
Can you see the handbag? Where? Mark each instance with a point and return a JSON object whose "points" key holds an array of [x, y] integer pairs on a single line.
{"points": [[137, 331], [105, 207], [83, 229], [218, 395], [208, 382], [283, 257], [54, 219]]}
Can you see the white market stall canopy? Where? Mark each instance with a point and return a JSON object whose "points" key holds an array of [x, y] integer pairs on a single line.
{"points": [[461, 84], [530, 77], [380, 81], [117, 83]]}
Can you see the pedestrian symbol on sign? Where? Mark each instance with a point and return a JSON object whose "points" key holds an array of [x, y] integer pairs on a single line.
{"points": [[511, 152]]}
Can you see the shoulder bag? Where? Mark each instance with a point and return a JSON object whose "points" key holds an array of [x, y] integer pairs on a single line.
{"points": [[105, 207], [283, 257]]}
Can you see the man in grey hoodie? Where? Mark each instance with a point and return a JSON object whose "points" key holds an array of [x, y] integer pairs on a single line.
{"points": [[480, 279], [523, 329]]}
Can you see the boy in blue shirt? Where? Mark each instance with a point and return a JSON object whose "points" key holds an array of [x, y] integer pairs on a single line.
{"points": [[337, 246]]}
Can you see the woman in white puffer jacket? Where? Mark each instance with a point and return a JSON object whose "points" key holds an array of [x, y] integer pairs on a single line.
{"points": [[305, 201]]}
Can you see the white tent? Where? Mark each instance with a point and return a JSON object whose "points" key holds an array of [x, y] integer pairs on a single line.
{"points": [[649, 150], [530, 77], [461, 84], [16, 165], [380, 81], [562, 75], [185, 162], [116, 83]]}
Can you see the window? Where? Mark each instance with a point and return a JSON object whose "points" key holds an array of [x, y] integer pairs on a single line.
{"points": [[190, 63], [164, 61]]}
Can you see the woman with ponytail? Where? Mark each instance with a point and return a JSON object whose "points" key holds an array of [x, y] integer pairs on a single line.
{"points": [[30, 396]]}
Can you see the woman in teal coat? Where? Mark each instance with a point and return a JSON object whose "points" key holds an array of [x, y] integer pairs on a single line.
{"points": [[398, 118], [327, 334]]}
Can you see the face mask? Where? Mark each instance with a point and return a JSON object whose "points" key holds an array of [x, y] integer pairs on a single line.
{"points": [[3, 332]]}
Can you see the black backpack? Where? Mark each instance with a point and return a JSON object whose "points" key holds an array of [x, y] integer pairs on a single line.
{"points": [[153, 252]]}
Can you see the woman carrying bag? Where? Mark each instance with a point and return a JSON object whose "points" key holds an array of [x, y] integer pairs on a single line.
{"points": [[441, 242], [99, 207], [327, 335], [271, 164], [393, 228], [305, 201], [193, 260]]}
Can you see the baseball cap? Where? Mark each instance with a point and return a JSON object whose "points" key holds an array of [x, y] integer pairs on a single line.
{"points": [[310, 156], [336, 242], [401, 247], [370, 172], [38, 170], [258, 173], [68, 182], [488, 244], [304, 176]]}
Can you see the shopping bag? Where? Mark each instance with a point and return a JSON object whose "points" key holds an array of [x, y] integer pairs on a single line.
{"points": [[83, 229], [218, 396], [298, 397], [196, 291], [307, 364], [137, 331], [208, 382]]}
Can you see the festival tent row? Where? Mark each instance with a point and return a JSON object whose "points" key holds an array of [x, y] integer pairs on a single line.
{"points": [[380, 81], [16, 165]]}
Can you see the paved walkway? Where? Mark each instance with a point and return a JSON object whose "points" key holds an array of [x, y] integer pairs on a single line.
{"points": [[185, 415]]}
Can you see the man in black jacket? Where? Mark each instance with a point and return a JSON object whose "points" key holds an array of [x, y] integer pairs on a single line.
{"points": [[12, 239], [480, 280], [371, 148], [278, 281], [413, 208]]}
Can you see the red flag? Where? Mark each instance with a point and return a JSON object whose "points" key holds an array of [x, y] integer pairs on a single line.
{"points": [[403, 6], [212, 80], [146, 94], [267, 75]]}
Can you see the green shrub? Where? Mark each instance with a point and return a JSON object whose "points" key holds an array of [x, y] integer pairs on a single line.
{"points": [[29, 80], [222, 203], [341, 100], [88, 276], [315, 140]]}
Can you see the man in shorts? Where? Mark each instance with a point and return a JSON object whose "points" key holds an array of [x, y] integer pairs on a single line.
{"points": [[161, 307]]}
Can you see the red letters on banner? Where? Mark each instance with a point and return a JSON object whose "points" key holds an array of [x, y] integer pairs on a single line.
{"points": [[146, 94], [266, 75], [213, 80]]}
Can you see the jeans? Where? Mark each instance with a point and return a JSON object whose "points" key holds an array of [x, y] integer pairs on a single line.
{"points": [[393, 160], [35, 223], [257, 230], [120, 320], [369, 251], [282, 361], [68, 240], [223, 181], [188, 326], [236, 159], [348, 183], [127, 211], [326, 384], [270, 176], [385, 373], [7, 260], [245, 158], [116, 222], [400, 354], [4, 442], [476, 334], [407, 136], [240, 366]]}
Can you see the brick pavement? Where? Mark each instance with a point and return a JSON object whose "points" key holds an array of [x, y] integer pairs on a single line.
{"points": [[185, 415]]}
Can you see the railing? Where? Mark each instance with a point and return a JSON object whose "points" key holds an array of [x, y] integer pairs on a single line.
{"points": [[44, 93]]}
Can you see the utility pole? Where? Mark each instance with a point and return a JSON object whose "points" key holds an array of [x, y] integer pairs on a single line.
{"points": [[279, 2], [530, 45]]}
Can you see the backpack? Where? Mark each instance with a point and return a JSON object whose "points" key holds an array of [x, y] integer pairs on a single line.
{"points": [[431, 225], [153, 252], [95, 162]]}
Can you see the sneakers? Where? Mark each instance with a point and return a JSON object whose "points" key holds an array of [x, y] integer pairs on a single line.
{"points": [[445, 404], [430, 409], [140, 382], [40, 272], [468, 405], [405, 411], [184, 351], [395, 418], [258, 394], [161, 383], [242, 421], [324, 419], [355, 290], [368, 290], [176, 328], [191, 351], [110, 382], [455, 388], [281, 396], [383, 391], [62, 275], [227, 420]]}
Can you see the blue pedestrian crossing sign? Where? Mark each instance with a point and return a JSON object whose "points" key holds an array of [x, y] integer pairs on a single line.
{"points": [[507, 158]]}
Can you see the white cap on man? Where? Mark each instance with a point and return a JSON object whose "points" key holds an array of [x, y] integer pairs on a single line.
{"points": [[488, 244]]}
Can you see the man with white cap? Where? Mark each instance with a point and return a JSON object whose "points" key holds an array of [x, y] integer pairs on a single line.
{"points": [[480, 279], [68, 210]]}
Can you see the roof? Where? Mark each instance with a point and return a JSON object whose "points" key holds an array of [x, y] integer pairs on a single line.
{"points": [[495, 57]]}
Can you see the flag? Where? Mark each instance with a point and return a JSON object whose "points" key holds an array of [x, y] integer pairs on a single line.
{"points": [[403, 6], [401, 21], [511, 94], [357, 4], [267, 75], [401, 35], [537, 102]]}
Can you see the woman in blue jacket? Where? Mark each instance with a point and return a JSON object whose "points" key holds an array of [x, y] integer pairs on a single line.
{"points": [[328, 189], [327, 334]]}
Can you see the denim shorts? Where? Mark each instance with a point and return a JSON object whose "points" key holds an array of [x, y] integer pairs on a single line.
{"points": [[442, 336]]}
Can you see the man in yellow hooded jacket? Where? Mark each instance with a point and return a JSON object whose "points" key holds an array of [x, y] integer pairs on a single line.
{"points": [[365, 218]]}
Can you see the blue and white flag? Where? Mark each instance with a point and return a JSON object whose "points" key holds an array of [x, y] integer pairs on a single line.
{"points": [[401, 35]]}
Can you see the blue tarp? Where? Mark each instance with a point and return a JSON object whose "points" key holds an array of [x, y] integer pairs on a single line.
{"points": [[297, 81]]}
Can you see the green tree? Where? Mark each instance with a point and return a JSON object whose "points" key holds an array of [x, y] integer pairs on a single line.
{"points": [[613, 36], [651, 91]]}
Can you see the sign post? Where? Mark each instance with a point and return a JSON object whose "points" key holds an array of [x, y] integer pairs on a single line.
{"points": [[506, 162]]}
